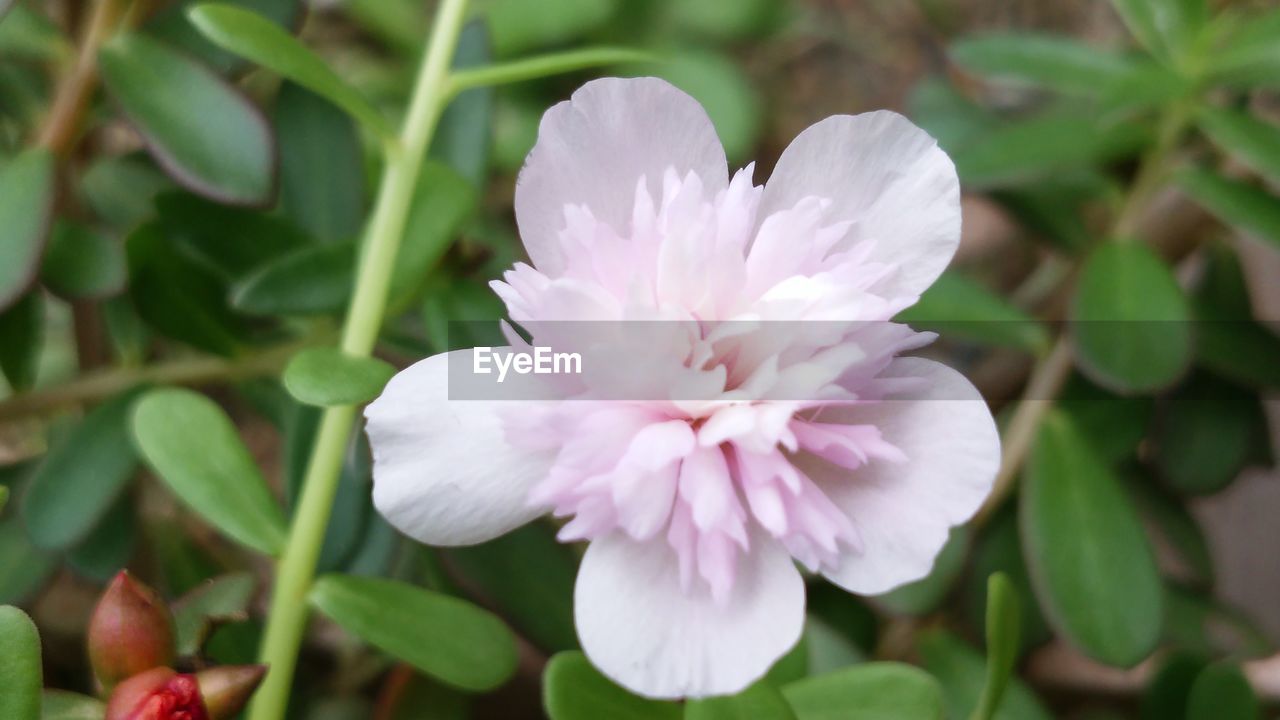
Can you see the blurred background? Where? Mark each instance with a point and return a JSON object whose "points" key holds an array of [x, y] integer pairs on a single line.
{"points": [[1053, 112]]}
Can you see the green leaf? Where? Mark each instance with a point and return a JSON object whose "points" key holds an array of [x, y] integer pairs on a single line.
{"points": [[515, 129], [24, 568], [1222, 691], [178, 297], [1254, 142], [1166, 28], [26, 210], [1197, 622], [845, 615], [1176, 527], [252, 36], [1166, 693], [376, 550], [64, 705], [1235, 203], [1147, 86], [401, 24], [350, 523], [519, 26], [529, 577], [465, 130], [795, 664], [1054, 207], [1249, 56], [761, 701], [442, 200], [326, 377], [1058, 63], [956, 306], [999, 550], [322, 175], [826, 649], [1131, 321], [128, 335], [121, 189], [1090, 563], [1042, 147], [574, 690], [107, 549], [311, 281], [1205, 435], [926, 594], [729, 21], [81, 263], [80, 478], [948, 114], [461, 312], [1113, 424], [192, 445], [171, 24], [228, 242], [444, 637], [872, 691], [964, 678], [29, 35], [1003, 640], [20, 671], [4, 497], [21, 330], [223, 599], [1228, 342], [203, 132]]}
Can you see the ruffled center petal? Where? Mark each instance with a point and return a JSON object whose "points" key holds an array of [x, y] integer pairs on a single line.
{"points": [[762, 323]]}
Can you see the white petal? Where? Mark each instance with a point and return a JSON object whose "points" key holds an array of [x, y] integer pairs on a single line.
{"points": [[903, 510], [889, 178], [593, 148], [640, 629], [442, 471]]}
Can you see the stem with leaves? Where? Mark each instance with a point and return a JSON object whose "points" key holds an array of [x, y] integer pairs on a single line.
{"points": [[196, 370], [1054, 368], [296, 569], [76, 86]]}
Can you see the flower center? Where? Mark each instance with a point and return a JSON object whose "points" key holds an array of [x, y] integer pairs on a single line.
{"points": [[695, 421]]}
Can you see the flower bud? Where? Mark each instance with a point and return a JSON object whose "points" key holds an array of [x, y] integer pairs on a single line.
{"points": [[157, 694], [131, 631], [227, 689]]}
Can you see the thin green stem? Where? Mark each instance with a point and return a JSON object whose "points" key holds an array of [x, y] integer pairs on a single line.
{"points": [[295, 572], [1052, 371], [184, 371], [544, 66]]}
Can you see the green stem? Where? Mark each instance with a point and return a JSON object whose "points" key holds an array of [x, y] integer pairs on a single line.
{"points": [[1052, 371], [543, 66], [295, 572], [184, 371]]}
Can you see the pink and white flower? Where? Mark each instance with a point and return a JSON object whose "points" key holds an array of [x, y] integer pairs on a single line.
{"points": [[811, 445]]}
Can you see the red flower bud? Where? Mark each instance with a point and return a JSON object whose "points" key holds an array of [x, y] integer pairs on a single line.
{"points": [[157, 694], [131, 631], [226, 690]]}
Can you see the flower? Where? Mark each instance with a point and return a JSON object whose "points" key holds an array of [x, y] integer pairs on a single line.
{"points": [[804, 437], [157, 694], [164, 694], [131, 630]]}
